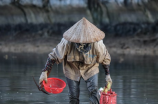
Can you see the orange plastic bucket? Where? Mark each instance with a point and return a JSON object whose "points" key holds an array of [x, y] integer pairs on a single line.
{"points": [[54, 85], [108, 98]]}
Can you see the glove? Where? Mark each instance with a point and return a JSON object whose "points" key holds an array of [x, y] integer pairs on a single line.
{"points": [[46, 70], [43, 77], [108, 79]]}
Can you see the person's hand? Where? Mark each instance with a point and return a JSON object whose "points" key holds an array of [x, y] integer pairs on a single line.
{"points": [[108, 79], [43, 77]]}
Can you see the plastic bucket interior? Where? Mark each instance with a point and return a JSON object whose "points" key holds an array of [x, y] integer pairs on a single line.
{"points": [[54, 85]]}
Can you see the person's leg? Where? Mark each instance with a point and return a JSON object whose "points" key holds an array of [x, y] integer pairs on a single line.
{"points": [[92, 85], [74, 91]]}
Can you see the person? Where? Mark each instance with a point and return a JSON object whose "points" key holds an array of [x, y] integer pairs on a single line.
{"points": [[81, 50]]}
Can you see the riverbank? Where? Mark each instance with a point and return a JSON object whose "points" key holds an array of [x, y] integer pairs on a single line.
{"points": [[120, 45], [29, 28]]}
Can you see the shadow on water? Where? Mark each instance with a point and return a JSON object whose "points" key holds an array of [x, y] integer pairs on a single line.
{"points": [[134, 79]]}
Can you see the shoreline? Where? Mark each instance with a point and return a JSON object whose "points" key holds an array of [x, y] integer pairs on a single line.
{"points": [[115, 45]]}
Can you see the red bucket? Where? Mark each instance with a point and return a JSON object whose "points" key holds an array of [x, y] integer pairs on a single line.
{"points": [[54, 85], [108, 98]]}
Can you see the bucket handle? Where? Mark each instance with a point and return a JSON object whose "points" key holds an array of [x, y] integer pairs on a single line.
{"points": [[110, 90]]}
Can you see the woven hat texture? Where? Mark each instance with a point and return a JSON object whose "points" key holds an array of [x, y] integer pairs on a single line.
{"points": [[83, 32]]}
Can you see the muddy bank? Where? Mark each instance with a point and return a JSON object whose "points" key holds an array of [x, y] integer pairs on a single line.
{"points": [[127, 45], [129, 30], [123, 38], [133, 45]]}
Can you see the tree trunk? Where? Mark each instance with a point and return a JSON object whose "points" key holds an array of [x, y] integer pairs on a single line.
{"points": [[15, 1], [96, 11], [45, 3], [127, 2]]}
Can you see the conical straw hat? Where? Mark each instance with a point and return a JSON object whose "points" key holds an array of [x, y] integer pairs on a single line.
{"points": [[83, 32]]}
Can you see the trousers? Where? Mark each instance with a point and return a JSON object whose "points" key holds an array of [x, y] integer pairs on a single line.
{"points": [[74, 90]]}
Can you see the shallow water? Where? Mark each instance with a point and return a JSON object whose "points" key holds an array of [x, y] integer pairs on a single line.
{"points": [[134, 78]]}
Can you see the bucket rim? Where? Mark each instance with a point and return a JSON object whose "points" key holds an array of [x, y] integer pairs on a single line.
{"points": [[56, 79]]}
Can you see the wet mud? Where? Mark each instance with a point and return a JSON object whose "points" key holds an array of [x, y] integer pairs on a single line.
{"points": [[124, 38]]}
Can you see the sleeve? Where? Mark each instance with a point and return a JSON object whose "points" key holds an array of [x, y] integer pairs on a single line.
{"points": [[107, 58], [103, 54], [104, 57], [58, 53]]}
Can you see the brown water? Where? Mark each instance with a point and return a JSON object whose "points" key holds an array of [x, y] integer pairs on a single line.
{"points": [[135, 80]]}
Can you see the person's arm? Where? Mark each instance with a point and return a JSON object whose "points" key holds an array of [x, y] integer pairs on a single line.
{"points": [[106, 65], [46, 70], [106, 69], [104, 59], [57, 55], [48, 65]]}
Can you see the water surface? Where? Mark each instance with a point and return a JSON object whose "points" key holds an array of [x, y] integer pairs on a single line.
{"points": [[134, 78]]}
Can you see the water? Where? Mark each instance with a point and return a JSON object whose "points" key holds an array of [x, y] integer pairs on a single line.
{"points": [[134, 78]]}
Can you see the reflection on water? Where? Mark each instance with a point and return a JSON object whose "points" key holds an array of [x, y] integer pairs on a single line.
{"points": [[135, 80]]}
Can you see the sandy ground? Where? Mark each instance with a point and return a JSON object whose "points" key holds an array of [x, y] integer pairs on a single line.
{"points": [[118, 45]]}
